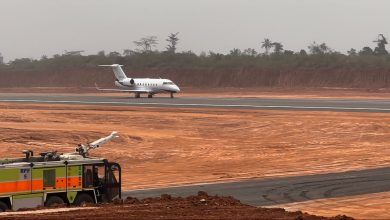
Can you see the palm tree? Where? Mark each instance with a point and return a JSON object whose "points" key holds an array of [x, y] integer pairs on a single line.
{"points": [[267, 45], [278, 48], [172, 40]]}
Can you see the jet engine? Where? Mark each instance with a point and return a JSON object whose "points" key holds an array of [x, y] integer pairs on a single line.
{"points": [[130, 82]]}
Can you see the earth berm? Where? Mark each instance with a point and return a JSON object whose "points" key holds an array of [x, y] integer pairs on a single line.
{"points": [[201, 206]]}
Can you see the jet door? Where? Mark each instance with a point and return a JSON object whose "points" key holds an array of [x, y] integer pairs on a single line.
{"points": [[113, 181]]}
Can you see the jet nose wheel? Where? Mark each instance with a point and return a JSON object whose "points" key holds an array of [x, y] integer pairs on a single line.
{"points": [[171, 95]]}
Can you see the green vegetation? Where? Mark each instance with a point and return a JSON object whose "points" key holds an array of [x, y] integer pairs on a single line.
{"points": [[317, 66], [274, 57]]}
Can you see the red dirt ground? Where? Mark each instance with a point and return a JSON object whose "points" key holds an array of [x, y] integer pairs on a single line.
{"points": [[201, 206], [160, 147]]}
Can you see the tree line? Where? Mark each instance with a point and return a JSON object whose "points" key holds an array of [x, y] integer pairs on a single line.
{"points": [[272, 56]]}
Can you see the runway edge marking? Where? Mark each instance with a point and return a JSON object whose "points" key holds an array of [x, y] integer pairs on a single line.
{"points": [[202, 105]]}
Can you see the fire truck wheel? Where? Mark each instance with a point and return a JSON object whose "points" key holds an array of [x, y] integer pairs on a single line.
{"points": [[54, 200], [3, 206], [83, 199]]}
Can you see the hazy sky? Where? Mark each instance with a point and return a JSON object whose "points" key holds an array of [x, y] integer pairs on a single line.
{"points": [[31, 28]]}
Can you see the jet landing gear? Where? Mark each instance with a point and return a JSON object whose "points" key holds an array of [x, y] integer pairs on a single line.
{"points": [[172, 95], [137, 95], [150, 96]]}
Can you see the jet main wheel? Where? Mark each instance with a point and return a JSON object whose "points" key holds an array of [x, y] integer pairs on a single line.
{"points": [[137, 95], [150, 96]]}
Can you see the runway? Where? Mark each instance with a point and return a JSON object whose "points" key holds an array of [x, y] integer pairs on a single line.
{"points": [[341, 105], [266, 192]]}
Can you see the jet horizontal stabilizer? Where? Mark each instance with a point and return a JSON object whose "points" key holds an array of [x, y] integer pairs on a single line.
{"points": [[112, 65]]}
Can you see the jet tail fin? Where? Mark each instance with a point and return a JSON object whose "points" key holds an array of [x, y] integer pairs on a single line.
{"points": [[117, 69]]}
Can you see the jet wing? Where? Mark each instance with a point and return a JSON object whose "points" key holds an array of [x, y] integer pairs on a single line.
{"points": [[122, 90]]}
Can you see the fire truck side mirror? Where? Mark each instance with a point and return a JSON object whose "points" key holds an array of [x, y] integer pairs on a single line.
{"points": [[28, 154]]}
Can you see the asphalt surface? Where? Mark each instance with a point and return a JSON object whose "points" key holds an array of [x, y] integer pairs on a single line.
{"points": [[342, 105], [266, 192]]}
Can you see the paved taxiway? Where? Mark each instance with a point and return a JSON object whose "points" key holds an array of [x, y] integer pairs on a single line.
{"points": [[265, 192], [238, 103]]}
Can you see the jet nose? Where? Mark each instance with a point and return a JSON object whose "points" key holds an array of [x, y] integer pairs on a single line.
{"points": [[176, 88]]}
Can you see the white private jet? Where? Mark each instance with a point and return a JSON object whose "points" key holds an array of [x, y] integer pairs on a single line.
{"points": [[140, 85]]}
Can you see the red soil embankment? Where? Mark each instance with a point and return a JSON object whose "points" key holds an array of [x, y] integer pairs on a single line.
{"points": [[204, 77], [201, 206]]}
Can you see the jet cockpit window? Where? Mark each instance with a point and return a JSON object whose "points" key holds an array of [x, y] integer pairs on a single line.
{"points": [[168, 83]]}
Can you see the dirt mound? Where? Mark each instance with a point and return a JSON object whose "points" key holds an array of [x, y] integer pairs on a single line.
{"points": [[201, 206]]}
